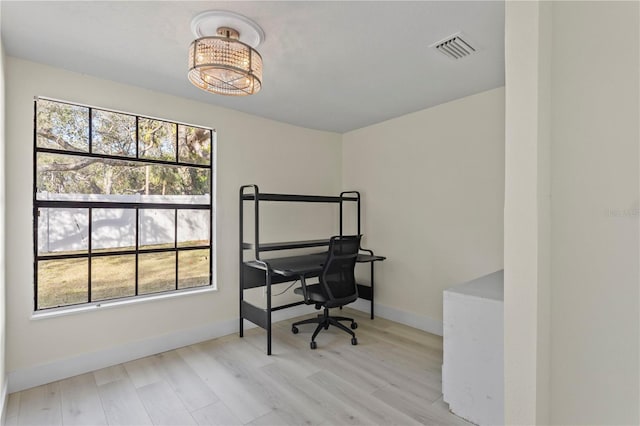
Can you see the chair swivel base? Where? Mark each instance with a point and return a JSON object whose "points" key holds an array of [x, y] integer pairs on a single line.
{"points": [[324, 321]]}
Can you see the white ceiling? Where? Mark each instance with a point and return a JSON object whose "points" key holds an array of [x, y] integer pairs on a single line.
{"points": [[334, 66]]}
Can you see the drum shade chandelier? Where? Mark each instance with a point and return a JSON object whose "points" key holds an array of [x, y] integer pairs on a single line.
{"points": [[222, 58]]}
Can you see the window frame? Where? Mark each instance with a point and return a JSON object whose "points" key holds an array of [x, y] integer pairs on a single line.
{"points": [[90, 205]]}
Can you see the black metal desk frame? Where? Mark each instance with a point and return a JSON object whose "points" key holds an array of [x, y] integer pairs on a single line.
{"points": [[265, 272]]}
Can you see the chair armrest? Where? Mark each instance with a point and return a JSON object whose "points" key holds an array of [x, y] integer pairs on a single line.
{"points": [[367, 250], [303, 285]]}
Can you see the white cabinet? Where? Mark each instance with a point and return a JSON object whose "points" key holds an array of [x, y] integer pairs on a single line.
{"points": [[473, 364]]}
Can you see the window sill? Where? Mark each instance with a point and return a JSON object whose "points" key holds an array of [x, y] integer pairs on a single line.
{"points": [[91, 307]]}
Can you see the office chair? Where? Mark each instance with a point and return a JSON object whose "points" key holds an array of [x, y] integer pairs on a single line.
{"points": [[336, 288]]}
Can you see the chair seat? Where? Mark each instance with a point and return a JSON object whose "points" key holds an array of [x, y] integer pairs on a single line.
{"points": [[314, 292]]}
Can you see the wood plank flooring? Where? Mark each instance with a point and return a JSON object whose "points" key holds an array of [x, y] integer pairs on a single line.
{"points": [[392, 377]]}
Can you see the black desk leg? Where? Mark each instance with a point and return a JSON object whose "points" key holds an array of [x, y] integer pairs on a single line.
{"points": [[372, 290], [268, 286], [241, 328]]}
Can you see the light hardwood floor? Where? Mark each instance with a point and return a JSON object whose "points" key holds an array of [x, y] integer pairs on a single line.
{"points": [[392, 377]]}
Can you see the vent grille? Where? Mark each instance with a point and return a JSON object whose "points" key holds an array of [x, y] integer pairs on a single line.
{"points": [[455, 47]]}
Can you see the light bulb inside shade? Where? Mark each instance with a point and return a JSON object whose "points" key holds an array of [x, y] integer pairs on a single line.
{"points": [[224, 66], [231, 78]]}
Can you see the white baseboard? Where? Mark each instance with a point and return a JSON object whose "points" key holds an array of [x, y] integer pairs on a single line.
{"points": [[421, 322], [46, 373]]}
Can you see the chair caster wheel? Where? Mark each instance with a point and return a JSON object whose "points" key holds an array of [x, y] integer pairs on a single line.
{"points": [[354, 325], [313, 345], [354, 341], [294, 329], [326, 327]]}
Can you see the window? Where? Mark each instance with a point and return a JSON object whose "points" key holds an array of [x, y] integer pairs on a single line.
{"points": [[122, 205]]}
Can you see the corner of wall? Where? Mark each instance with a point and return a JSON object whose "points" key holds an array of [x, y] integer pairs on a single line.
{"points": [[421, 322], [3, 376]]}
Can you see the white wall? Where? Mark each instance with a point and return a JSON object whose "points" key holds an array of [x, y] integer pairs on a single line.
{"points": [[595, 328], [571, 327], [432, 185], [278, 157], [3, 376], [526, 232]]}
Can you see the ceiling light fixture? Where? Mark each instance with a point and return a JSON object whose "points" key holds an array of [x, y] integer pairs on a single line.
{"points": [[223, 59]]}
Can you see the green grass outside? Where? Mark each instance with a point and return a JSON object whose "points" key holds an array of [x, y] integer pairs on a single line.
{"points": [[65, 281]]}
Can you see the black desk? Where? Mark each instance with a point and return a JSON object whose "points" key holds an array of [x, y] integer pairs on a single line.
{"points": [[258, 273], [264, 272], [292, 266]]}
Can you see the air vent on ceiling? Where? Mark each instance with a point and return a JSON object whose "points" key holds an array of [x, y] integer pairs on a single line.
{"points": [[456, 46]]}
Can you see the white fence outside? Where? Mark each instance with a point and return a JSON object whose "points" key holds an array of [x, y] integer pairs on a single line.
{"points": [[67, 229]]}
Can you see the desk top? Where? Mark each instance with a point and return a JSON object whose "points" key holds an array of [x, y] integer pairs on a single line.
{"points": [[308, 264], [364, 258]]}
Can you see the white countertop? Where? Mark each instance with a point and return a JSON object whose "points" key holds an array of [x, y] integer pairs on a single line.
{"points": [[487, 287]]}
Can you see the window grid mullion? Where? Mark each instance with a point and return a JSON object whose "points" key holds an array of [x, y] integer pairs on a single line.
{"points": [[90, 226], [175, 241], [211, 222], [89, 247], [177, 142], [144, 160], [90, 138], [137, 236], [36, 210]]}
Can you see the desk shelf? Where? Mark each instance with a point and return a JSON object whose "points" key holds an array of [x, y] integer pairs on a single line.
{"points": [[298, 198], [259, 272], [289, 245]]}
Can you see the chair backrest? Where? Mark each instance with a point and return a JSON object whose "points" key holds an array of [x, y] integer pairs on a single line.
{"points": [[337, 279]]}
